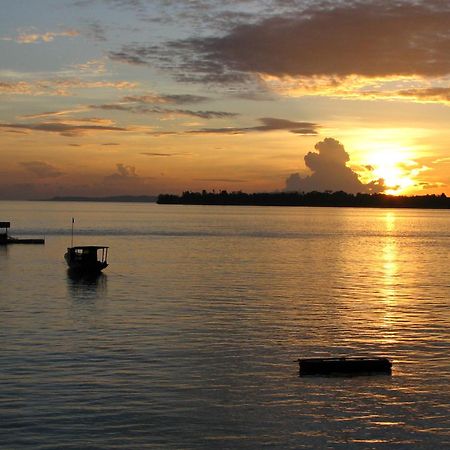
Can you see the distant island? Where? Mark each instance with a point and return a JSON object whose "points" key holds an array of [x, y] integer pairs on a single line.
{"points": [[115, 198], [327, 199]]}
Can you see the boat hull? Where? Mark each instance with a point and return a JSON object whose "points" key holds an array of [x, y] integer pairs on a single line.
{"points": [[81, 266]]}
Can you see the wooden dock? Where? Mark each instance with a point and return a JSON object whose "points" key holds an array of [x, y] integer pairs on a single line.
{"points": [[5, 239], [12, 240]]}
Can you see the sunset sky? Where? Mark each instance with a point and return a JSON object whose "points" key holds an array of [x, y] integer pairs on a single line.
{"points": [[109, 97]]}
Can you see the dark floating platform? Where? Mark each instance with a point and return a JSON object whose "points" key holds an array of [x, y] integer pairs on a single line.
{"points": [[349, 366], [12, 240], [5, 239]]}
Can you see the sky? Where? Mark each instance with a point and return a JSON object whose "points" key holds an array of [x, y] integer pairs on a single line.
{"points": [[141, 97]]}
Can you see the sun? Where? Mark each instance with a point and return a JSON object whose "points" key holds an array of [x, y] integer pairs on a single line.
{"points": [[394, 164], [393, 154], [394, 172]]}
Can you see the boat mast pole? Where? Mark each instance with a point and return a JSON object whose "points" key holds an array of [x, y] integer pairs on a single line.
{"points": [[73, 220]]}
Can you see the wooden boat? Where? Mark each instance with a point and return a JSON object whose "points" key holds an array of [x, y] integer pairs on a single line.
{"points": [[345, 366], [87, 258]]}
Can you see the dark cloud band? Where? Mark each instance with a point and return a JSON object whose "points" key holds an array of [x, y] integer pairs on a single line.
{"points": [[368, 38]]}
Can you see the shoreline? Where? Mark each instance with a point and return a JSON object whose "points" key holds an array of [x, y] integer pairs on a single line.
{"points": [[311, 199]]}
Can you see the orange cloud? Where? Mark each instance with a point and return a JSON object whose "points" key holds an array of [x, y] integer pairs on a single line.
{"points": [[65, 129], [59, 86], [32, 37], [139, 108], [343, 49], [93, 66], [367, 38], [41, 169], [407, 88], [16, 87], [170, 99], [268, 124], [126, 179]]}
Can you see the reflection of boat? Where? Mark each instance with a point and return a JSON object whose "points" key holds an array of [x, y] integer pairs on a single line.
{"points": [[345, 366], [86, 285], [87, 258]]}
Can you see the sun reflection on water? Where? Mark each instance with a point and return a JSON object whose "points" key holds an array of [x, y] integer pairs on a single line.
{"points": [[390, 274]]}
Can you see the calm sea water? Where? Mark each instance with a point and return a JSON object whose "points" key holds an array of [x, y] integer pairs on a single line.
{"points": [[189, 339]]}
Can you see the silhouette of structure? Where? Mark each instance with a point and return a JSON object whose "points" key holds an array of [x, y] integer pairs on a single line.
{"points": [[345, 366], [327, 199], [4, 234], [87, 259], [5, 239]]}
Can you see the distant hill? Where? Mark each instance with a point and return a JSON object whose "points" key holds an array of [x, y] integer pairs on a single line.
{"points": [[115, 198], [330, 199]]}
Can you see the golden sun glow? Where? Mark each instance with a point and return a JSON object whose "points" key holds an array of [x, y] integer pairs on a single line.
{"points": [[395, 164], [396, 176]]}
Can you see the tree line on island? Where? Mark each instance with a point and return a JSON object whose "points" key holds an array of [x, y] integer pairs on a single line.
{"points": [[314, 198], [330, 183]]}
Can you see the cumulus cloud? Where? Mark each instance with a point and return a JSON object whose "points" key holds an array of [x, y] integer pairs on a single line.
{"points": [[330, 172], [122, 172], [126, 180], [41, 169]]}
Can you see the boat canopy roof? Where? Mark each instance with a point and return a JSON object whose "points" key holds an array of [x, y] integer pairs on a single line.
{"points": [[88, 247]]}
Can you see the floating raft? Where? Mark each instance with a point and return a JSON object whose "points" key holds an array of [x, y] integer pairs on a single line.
{"points": [[345, 366], [12, 240], [6, 240]]}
